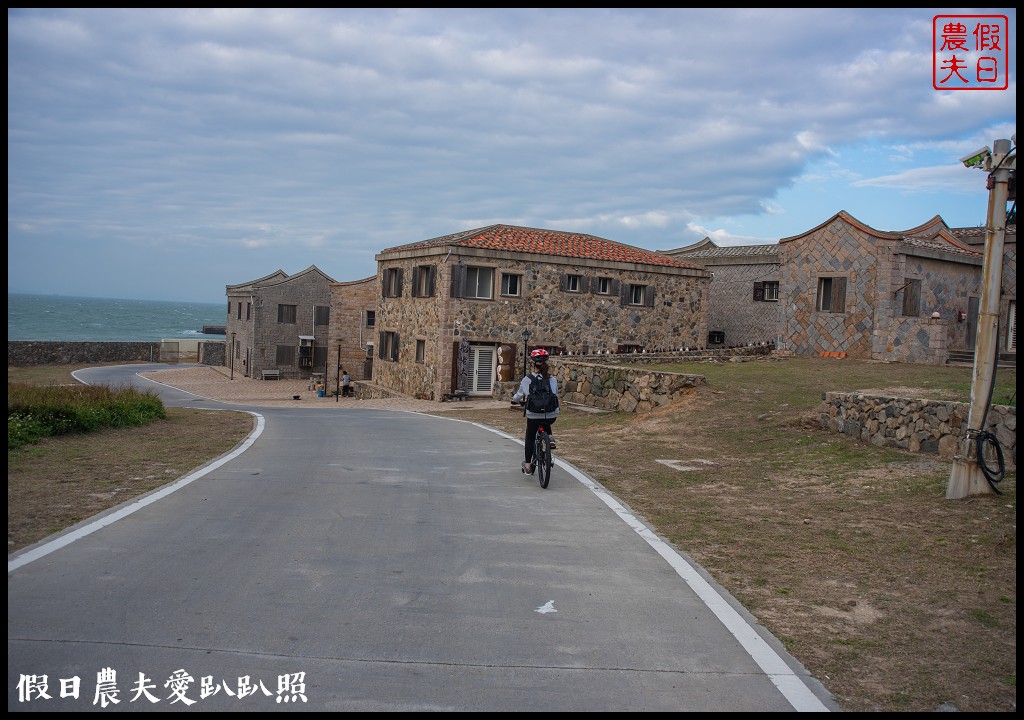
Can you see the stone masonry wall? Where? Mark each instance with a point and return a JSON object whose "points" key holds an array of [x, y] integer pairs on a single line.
{"points": [[618, 387], [24, 353], [927, 426], [350, 302], [580, 322], [732, 308]]}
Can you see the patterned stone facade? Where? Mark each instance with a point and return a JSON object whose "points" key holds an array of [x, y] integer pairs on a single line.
{"points": [[742, 310], [352, 329], [867, 319], [260, 326], [579, 321]]}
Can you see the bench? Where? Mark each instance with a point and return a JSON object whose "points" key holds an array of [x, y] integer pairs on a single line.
{"points": [[271, 374]]}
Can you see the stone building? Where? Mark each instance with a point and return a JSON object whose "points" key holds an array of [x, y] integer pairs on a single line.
{"points": [[353, 329], [453, 310], [898, 296], [975, 238], [279, 323], [743, 305]]}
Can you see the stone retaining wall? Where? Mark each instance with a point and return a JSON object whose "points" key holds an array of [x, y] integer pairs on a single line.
{"points": [[28, 353], [928, 426]]}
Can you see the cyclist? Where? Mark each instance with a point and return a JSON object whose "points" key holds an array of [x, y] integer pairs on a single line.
{"points": [[534, 420]]}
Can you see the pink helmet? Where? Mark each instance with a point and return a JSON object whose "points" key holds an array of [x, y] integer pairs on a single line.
{"points": [[539, 355]]}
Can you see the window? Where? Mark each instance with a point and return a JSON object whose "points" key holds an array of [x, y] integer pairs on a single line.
{"points": [[423, 277], [638, 295], [239, 309], [767, 291], [911, 297], [479, 283], [831, 295], [510, 284], [321, 314], [716, 337], [248, 311], [421, 350], [286, 314], [572, 283], [371, 318], [603, 286], [229, 308], [388, 347], [392, 285], [286, 356]]}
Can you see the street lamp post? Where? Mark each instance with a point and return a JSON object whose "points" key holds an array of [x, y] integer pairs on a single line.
{"points": [[526, 351], [232, 351]]}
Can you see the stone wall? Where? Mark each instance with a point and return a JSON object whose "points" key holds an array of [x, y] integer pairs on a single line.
{"points": [[619, 387], [529, 291], [24, 353], [353, 305], [928, 426]]}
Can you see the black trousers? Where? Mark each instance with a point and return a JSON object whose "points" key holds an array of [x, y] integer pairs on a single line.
{"points": [[531, 433]]}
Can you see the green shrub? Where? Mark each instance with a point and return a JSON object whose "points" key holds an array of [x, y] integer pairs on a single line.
{"points": [[38, 411]]}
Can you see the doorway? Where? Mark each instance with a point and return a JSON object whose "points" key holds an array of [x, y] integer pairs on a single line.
{"points": [[482, 369]]}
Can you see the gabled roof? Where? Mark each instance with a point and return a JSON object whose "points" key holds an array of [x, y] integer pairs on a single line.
{"points": [[707, 248], [350, 283], [850, 220], [511, 238], [311, 270], [932, 235], [278, 274]]}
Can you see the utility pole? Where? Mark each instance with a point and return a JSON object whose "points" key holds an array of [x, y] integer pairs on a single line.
{"points": [[967, 477]]}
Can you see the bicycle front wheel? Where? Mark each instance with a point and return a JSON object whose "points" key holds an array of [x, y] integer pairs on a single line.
{"points": [[542, 459]]}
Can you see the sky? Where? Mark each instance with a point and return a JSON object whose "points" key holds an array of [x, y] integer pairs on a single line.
{"points": [[164, 154]]}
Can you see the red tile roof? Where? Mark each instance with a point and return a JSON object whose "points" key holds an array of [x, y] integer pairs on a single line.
{"points": [[510, 238]]}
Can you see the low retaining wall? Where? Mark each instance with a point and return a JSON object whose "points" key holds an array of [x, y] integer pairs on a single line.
{"points": [[928, 426], [27, 353], [618, 387]]}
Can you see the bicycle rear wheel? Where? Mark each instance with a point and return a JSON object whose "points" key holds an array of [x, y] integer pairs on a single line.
{"points": [[542, 458]]}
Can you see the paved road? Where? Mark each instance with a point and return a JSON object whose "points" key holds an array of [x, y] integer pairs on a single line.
{"points": [[380, 560]]}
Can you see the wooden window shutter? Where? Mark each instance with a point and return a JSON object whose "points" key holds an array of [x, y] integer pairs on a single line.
{"points": [[563, 282], [458, 280], [649, 296], [394, 348], [584, 283], [839, 295], [615, 287], [380, 345], [431, 280], [624, 295], [384, 284], [398, 291], [415, 290], [758, 291]]}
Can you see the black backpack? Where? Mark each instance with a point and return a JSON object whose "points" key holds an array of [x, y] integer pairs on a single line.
{"points": [[541, 399]]}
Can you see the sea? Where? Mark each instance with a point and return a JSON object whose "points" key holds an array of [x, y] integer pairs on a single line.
{"points": [[59, 317]]}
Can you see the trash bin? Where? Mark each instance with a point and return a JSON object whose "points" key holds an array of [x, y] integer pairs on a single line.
{"points": [[319, 393]]}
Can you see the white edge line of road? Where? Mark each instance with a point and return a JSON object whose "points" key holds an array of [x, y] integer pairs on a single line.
{"points": [[70, 537], [781, 675]]}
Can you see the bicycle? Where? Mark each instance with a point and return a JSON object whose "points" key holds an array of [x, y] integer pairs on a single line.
{"points": [[542, 456], [542, 460]]}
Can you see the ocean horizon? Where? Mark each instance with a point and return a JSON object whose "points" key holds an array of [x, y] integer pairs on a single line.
{"points": [[91, 319]]}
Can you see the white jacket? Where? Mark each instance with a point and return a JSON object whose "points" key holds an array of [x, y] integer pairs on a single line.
{"points": [[524, 390]]}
